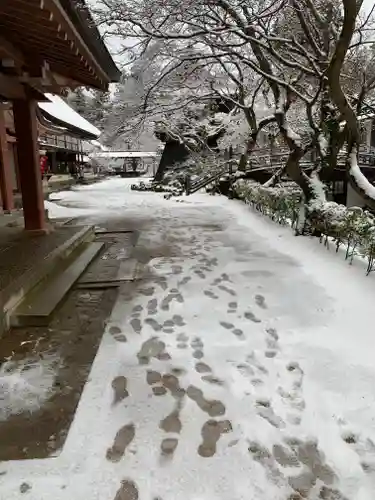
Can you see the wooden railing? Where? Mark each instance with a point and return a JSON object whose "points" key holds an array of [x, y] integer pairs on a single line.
{"points": [[367, 159], [264, 162]]}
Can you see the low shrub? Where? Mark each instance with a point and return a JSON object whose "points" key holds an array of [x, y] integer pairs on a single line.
{"points": [[351, 228], [281, 203], [174, 188]]}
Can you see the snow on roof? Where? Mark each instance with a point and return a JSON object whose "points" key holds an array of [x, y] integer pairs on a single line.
{"points": [[60, 110], [124, 154], [97, 144]]}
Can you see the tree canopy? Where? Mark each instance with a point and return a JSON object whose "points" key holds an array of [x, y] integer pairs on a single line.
{"points": [[304, 66]]}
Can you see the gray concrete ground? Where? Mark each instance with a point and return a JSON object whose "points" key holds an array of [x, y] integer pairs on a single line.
{"points": [[69, 344]]}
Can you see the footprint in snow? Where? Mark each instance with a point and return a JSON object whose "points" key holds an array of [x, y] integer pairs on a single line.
{"points": [[314, 468], [173, 295], [154, 379], [211, 432], [227, 290], [262, 455], [201, 367], [154, 324], [152, 306], [122, 440], [251, 317], [197, 343], [176, 269], [230, 326], [212, 407], [226, 325], [302, 465], [200, 274], [184, 281], [363, 447], [291, 392], [152, 348], [137, 309], [260, 301], [168, 447], [253, 361], [136, 324], [127, 491], [172, 384], [171, 424], [265, 410], [232, 307], [148, 292], [272, 343], [198, 354], [182, 340], [117, 334], [119, 386]]}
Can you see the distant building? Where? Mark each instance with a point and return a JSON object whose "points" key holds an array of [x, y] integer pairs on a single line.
{"points": [[62, 133], [127, 163]]}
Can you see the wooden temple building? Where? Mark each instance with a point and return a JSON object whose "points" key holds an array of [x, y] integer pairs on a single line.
{"points": [[62, 138], [46, 47]]}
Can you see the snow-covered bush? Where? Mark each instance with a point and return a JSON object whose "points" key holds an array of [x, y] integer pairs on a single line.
{"points": [[281, 203], [352, 228], [174, 188]]}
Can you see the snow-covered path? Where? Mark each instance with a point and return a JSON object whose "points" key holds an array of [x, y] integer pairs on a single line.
{"points": [[241, 368]]}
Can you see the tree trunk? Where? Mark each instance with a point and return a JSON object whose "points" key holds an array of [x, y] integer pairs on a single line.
{"points": [[351, 9], [250, 146], [296, 152], [173, 153], [294, 171]]}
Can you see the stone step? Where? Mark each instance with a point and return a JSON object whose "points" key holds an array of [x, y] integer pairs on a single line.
{"points": [[45, 264], [38, 307], [129, 270]]}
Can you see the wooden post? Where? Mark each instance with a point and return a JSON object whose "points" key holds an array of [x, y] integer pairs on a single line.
{"points": [[6, 188], [79, 155], [230, 159], [24, 111], [187, 184], [53, 163]]}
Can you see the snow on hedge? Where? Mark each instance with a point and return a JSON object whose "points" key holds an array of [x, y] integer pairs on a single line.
{"points": [[352, 227]]}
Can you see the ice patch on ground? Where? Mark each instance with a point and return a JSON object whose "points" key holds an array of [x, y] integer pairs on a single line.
{"points": [[26, 385]]}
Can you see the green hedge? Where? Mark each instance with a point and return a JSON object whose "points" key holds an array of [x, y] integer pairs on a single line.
{"points": [[350, 228]]}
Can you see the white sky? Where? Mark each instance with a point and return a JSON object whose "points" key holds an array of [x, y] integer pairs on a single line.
{"points": [[115, 43], [367, 4]]}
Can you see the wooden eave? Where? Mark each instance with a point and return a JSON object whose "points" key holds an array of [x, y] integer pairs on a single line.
{"points": [[39, 39]]}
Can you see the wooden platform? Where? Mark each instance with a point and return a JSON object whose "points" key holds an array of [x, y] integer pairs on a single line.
{"points": [[39, 305], [27, 261]]}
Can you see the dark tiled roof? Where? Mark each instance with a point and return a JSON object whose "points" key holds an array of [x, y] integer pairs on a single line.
{"points": [[79, 14]]}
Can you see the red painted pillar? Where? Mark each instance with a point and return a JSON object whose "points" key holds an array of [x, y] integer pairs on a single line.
{"points": [[24, 112], [6, 198]]}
